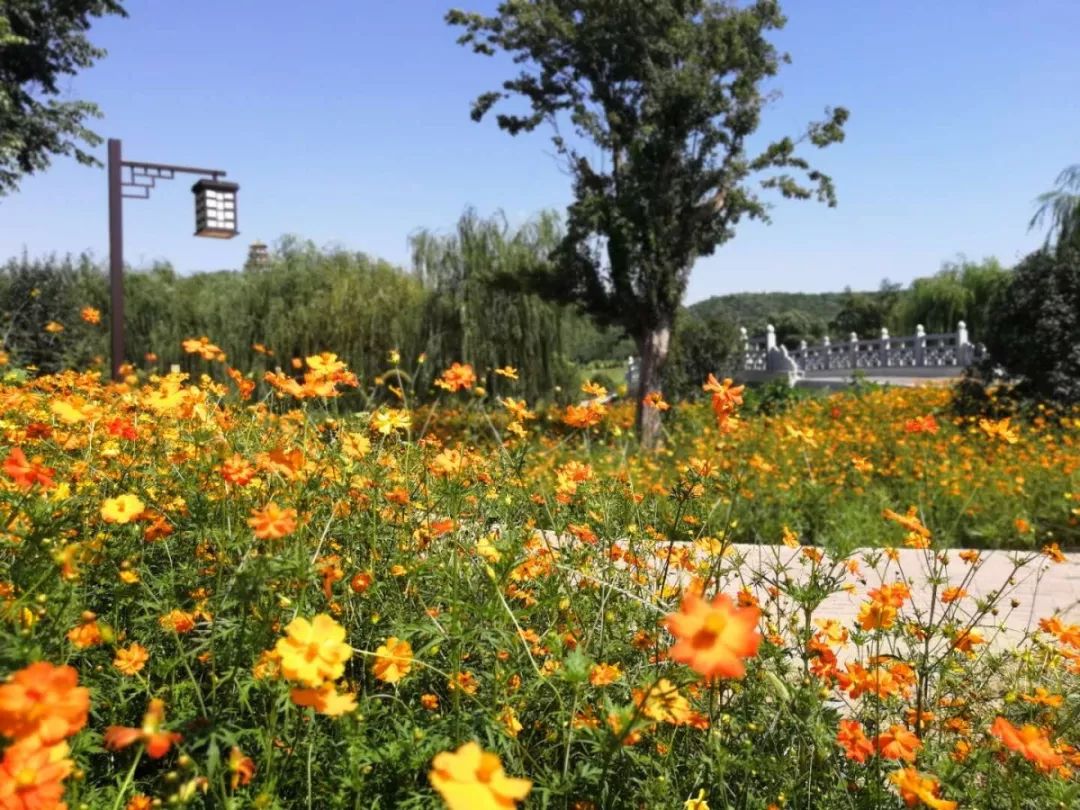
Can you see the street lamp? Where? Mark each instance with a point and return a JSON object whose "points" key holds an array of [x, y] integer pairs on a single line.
{"points": [[215, 216]]}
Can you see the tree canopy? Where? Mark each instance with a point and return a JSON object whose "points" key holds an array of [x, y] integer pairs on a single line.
{"points": [[1059, 210], [42, 41], [669, 92]]}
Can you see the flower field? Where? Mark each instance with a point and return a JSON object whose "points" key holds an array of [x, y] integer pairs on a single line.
{"points": [[214, 600]]}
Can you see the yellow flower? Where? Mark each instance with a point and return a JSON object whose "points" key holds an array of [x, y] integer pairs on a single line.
{"points": [[473, 779], [697, 802], [122, 509], [393, 660], [313, 652], [386, 422], [52, 327]]}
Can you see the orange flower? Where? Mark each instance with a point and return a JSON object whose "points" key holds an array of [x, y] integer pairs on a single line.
{"points": [[27, 473], [473, 779], [158, 742], [856, 744], [914, 787], [655, 400], [429, 701], [361, 582], [714, 637], [897, 743], [875, 616], [951, 594], [32, 775], [604, 674], [131, 659], [1043, 697], [241, 767], [923, 424], [726, 399], [237, 470], [43, 701], [457, 377], [90, 315], [178, 621], [271, 522], [85, 635], [325, 699], [393, 660], [1053, 551], [1030, 742]]}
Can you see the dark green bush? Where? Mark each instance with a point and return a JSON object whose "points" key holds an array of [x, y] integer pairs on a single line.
{"points": [[1035, 328]]}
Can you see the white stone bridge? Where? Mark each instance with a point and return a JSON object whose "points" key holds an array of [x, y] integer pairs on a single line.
{"points": [[909, 360]]}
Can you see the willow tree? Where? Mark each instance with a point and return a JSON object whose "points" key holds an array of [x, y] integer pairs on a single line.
{"points": [[651, 103], [469, 318]]}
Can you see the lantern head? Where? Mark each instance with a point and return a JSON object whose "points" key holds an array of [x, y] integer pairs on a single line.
{"points": [[215, 208]]}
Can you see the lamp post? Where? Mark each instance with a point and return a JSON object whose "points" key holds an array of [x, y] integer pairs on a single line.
{"points": [[215, 216]]}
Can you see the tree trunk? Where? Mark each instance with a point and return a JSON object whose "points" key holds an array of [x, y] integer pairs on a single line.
{"points": [[653, 351]]}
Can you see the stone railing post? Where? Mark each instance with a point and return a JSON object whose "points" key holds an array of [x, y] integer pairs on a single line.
{"points": [[770, 337], [853, 347], [744, 338], [886, 348], [920, 345], [963, 348], [827, 350]]}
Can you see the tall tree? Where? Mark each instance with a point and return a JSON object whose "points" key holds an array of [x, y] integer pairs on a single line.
{"points": [[1060, 210], [668, 92], [42, 41]]}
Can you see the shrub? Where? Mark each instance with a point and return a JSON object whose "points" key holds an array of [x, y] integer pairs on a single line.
{"points": [[1035, 327]]}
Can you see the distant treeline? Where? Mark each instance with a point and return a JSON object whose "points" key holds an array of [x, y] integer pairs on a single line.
{"points": [[962, 290], [305, 300]]}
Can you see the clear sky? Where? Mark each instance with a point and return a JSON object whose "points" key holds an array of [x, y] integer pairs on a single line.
{"points": [[347, 123]]}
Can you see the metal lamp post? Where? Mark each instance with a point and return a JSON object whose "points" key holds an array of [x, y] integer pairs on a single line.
{"points": [[215, 216]]}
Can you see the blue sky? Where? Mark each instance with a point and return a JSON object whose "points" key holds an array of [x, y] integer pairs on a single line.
{"points": [[347, 123]]}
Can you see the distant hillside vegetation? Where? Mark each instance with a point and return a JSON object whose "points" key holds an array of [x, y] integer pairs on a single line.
{"points": [[755, 310]]}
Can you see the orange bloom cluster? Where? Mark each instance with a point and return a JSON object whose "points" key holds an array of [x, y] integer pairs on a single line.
{"points": [[325, 373], [40, 707], [1031, 742], [726, 399], [584, 416], [204, 348], [314, 654], [457, 378], [26, 473], [915, 788]]}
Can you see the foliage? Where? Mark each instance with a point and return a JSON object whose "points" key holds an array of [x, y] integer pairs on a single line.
{"points": [[1036, 334], [466, 316], [306, 299], [526, 593], [1059, 210], [702, 345], [37, 293], [961, 291], [865, 314], [668, 93], [41, 42], [754, 311]]}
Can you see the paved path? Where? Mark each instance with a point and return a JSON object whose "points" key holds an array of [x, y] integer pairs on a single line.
{"points": [[1038, 590]]}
